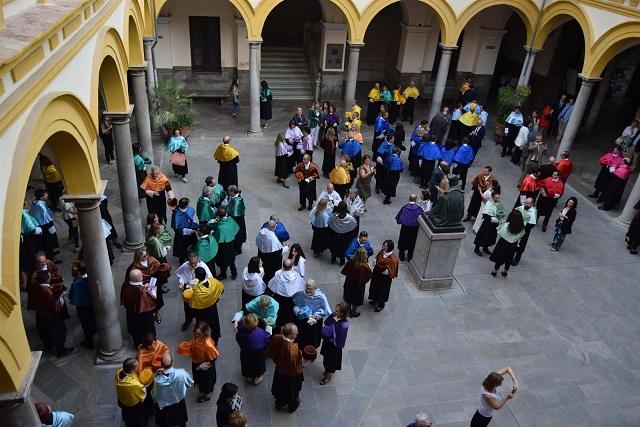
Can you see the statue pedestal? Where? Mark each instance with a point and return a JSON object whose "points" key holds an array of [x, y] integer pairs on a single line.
{"points": [[434, 257]]}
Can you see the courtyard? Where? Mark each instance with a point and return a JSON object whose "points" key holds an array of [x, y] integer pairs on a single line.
{"points": [[564, 321]]}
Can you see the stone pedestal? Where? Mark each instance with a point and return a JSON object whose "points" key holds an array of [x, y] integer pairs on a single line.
{"points": [[434, 257], [17, 408]]}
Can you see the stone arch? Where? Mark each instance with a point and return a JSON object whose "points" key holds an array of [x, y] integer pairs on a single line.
{"points": [[610, 44], [110, 66], [444, 13], [149, 19], [557, 14], [266, 6], [64, 123], [527, 10], [133, 25]]}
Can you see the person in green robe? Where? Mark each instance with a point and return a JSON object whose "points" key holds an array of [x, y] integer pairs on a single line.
{"points": [[30, 243], [492, 216], [205, 209], [225, 230], [154, 244], [235, 209], [206, 247], [164, 237], [218, 194]]}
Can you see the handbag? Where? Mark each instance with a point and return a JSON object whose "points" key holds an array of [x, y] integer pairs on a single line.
{"points": [[178, 159]]}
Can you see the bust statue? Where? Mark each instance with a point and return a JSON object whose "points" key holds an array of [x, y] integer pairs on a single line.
{"points": [[446, 215]]}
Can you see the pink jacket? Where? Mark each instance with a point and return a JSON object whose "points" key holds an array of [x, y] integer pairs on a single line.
{"points": [[623, 172], [611, 160]]}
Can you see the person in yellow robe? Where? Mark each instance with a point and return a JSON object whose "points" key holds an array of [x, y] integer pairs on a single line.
{"points": [[396, 103], [410, 93], [373, 108], [202, 298], [340, 178], [228, 158], [355, 108], [469, 119], [131, 394]]}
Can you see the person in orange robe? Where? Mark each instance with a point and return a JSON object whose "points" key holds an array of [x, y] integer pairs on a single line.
{"points": [[203, 353], [152, 268], [150, 352]]}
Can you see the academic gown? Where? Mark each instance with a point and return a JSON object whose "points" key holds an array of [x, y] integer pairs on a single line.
{"points": [[487, 233]]}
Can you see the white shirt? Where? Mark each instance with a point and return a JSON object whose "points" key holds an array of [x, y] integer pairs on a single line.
{"points": [[186, 273], [267, 241], [333, 197], [252, 283], [483, 407]]}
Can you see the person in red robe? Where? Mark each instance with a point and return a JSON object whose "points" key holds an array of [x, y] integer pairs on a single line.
{"points": [[528, 187], [551, 189], [48, 302], [138, 298], [152, 268], [42, 263], [564, 166]]}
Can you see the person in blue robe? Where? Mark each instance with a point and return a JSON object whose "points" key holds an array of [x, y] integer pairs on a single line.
{"points": [[463, 159]]}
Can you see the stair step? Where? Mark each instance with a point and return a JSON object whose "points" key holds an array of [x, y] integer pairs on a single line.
{"points": [[287, 71]]}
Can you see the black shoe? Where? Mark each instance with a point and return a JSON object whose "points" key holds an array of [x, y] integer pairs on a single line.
{"points": [[372, 302], [494, 273], [466, 219], [378, 309], [87, 344], [301, 208], [293, 406], [477, 252], [65, 352], [504, 273], [185, 325], [309, 207], [117, 244], [386, 202], [514, 263], [486, 251], [222, 276], [401, 257], [593, 195], [544, 228]]}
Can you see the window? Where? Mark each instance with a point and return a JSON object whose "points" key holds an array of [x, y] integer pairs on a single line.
{"points": [[205, 44]]}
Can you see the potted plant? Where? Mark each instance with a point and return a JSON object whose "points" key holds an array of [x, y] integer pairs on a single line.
{"points": [[171, 108], [509, 97]]}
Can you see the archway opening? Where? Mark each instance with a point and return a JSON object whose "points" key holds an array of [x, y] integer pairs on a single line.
{"points": [[136, 54], [379, 55], [285, 25]]}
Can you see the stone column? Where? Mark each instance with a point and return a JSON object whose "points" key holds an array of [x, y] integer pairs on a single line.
{"points": [[576, 116], [254, 85], [352, 74], [103, 295], [441, 79], [150, 70], [127, 180], [530, 65], [141, 110], [629, 212], [17, 407], [525, 67], [601, 96]]}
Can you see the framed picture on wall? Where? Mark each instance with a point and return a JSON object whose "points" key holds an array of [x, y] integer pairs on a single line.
{"points": [[334, 56]]}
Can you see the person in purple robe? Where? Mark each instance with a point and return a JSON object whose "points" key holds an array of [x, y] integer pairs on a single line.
{"points": [[407, 217], [463, 158], [334, 334], [253, 342]]}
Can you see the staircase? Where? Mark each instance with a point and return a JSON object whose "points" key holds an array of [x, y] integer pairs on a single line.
{"points": [[287, 72]]}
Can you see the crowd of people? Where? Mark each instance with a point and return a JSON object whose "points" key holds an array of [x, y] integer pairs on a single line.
{"points": [[284, 314]]}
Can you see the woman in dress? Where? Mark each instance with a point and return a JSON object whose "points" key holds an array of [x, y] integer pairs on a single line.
{"points": [[614, 187], [357, 273], [488, 400], [234, 93], [266, 96], [319, 217], [252, 341], [295, 253], [228, 402], [564, 223], [329, 145], [384, 271], [486, 196], [342, 226], [282, 160], [365, 172], [492, 214], [510, 234], [164, 237], [153, 243], [252, 280], [178, 147], [323, 112], [334, 334], [609, 163], [107, 139], [332, 119], [203, 361]]}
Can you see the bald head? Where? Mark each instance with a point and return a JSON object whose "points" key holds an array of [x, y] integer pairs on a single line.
{"points": [[329, 187], [166, 360], [287, 264], [226, 139], [413, 197], [271, 225], [135, 275]]}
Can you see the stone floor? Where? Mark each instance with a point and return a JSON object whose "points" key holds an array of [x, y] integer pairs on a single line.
{"points": [[564, 321]]}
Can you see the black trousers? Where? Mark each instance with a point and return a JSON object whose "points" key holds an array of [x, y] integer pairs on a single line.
{"points": [[407, 110], [426, 170], [522, 244], [462, 171], [307, 192]]}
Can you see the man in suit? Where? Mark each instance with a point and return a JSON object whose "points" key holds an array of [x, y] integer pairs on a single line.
{"points": [[476, 136], [563, 117], [558, 105]]}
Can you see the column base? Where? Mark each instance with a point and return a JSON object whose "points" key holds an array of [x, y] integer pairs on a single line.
{"points": [[131, 246], [17, 408], [113, 358], [624, 222], [434, 258], [254, 132]]}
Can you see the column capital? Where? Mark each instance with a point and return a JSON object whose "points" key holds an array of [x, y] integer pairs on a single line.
{"points": [[448, 48], [415, 28], [148, 40], [254, 42], [138, 71], [87, 202], [588, 80], [119, 117], [531, 49], [354, 45]]}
